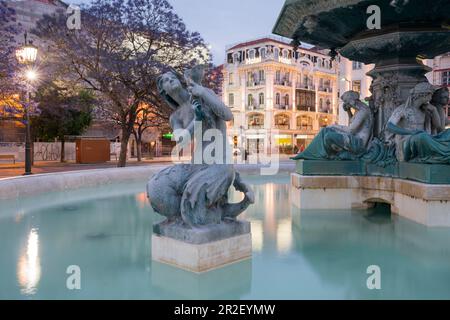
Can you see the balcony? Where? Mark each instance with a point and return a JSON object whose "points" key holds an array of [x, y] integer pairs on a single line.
{"points": [[282, 107], [256, 83], [305, 128], [305, 86], [255, 126], [284, 83], [306, 108], [282, 126], [326, 89], [260, 107]]}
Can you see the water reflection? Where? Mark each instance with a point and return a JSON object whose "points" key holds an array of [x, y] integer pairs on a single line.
{"points": [[231, 282], [270, 217], [29, 266]]}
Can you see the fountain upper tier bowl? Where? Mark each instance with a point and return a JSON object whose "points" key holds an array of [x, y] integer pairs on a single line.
{"points": [[408, 27]]}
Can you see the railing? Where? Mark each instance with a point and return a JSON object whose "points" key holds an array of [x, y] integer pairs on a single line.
{"points": [[325, 89], [305, 108], [305, 128], [255, 108], [283, 83], [256, 83], [256, 126], [305, 86], [282, 107], [282, 126]]}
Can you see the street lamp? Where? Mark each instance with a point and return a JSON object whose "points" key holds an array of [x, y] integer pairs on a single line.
{"points": [[27, 55]]}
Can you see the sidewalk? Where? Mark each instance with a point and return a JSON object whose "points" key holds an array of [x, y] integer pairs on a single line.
{"points": [[12, 170], [40, 167]]}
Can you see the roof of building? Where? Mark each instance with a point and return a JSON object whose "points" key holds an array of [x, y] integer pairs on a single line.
{"points": [[270, 39]]}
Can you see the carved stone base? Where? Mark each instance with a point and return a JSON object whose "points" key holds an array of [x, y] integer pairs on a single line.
{"points": [[426, 204], [201, 257], [201, 235]]}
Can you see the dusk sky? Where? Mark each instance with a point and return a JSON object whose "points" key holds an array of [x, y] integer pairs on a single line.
{"points": [[224, 22]]}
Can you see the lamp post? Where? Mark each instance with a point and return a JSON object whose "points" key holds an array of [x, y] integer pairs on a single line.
{"points": [[26, 55]]}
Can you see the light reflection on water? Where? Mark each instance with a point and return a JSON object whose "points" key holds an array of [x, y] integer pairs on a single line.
{"points": [[28, 266], [296, 255]]}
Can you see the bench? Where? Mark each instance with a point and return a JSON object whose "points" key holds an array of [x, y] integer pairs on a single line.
{"points": [[8, 157]]}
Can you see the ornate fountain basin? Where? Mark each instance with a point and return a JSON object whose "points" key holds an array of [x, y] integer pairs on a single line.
{"points": [[408, 27]]}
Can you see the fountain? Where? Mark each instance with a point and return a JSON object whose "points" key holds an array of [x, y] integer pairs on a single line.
{"points": [[406, 160]]}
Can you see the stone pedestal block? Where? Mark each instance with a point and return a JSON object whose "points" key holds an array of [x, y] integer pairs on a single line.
{"points": [[427, 204], [201, 257]]}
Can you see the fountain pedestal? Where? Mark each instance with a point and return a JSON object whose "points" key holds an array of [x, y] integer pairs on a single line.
{"points": [[201, 249], [422, 203], [407, 32]]}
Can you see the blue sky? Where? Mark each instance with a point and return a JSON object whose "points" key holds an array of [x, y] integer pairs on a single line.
{"points": [[224, 22]]}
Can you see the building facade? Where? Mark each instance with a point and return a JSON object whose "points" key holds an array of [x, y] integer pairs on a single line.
{"points": [[280, 97], [352, 76]]}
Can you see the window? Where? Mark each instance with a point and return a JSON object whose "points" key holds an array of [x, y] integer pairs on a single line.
{"points": [[250, 100], [261, 75], [236, 57], [282, 121], [230, 79], [276, 53], [231, 99], [356, 86], [251, 54], [287, 76], [285, 54], [256, 121], [250, 77], [323, 121], [304, 123], [262, 52], [261, 98], [321, 105], [357, 65], [446, 78], [278, 99], [305, 100], [286, 100], [278, 76]]}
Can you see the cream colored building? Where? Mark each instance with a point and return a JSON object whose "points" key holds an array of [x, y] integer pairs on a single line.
{"points": [[280, 97], [352, 76]]}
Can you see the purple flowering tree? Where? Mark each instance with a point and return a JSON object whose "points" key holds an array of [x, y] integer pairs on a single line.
{"points": [[8, 64], [120, 50]]}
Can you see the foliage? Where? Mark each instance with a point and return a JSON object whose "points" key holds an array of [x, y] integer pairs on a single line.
{"points": [[61, 113], [121, 49]]}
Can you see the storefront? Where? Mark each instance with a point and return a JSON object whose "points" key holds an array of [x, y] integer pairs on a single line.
{"points": [[284, 143]]}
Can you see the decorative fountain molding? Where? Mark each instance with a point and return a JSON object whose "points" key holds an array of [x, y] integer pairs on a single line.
{"points": [[408, 140]]}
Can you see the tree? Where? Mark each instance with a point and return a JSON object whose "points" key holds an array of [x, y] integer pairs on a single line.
{"points": [[147, 117], [214, 78], [121, 49], [8, 64], [62, 114]]}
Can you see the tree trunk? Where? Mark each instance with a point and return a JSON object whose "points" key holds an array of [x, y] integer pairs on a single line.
{"points": [[124, 148], [63, 152], [139, 150]]}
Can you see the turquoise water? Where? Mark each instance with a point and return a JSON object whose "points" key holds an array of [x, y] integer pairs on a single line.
{"points": [[296, 255]]}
